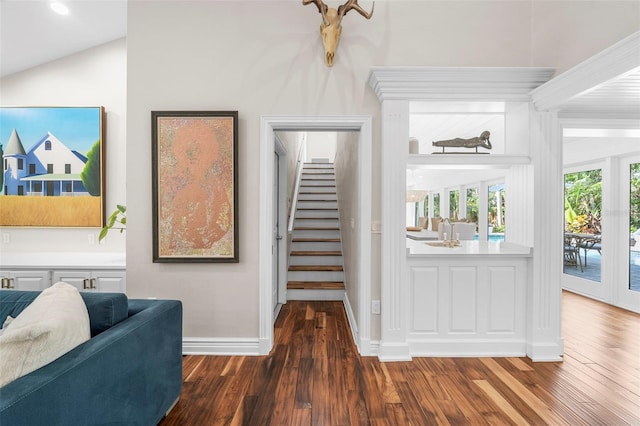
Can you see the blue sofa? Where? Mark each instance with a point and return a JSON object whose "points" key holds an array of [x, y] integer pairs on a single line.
{"points": [[128, 373]]}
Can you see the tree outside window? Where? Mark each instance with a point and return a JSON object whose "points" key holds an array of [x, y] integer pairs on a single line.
{"points": [[583, 201]]}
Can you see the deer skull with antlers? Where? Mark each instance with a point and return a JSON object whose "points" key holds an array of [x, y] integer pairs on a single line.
{"points": [[331, 28]]}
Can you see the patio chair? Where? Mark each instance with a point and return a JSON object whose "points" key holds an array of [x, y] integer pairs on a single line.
{"points": [[591, 244], [572, 253]]}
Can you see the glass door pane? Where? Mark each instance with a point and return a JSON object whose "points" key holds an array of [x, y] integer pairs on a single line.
{"points": [[582, 214], [496, 213], [634, 227]]}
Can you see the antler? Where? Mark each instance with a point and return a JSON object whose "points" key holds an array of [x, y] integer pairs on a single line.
{"points": [[353, 5], [322, 8]]}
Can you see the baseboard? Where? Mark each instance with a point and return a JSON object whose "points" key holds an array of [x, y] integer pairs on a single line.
{"points": [[546, 352], [467, 348], [353, 324], [220, 346]]}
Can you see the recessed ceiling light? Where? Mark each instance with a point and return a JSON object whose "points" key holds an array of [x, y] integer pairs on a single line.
{"points": [[60, 8]]}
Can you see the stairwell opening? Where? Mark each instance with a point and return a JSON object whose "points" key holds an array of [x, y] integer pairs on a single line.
{"points": [[355, 215]]}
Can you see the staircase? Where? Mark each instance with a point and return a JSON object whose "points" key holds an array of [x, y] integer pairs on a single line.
{"points": [[315, 261]]}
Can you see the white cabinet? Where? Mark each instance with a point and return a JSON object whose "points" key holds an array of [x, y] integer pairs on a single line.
{"points": [[25, 280], [113, 281]]}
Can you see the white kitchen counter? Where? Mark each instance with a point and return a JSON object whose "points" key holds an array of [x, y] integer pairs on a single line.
{"points": [[467, 248]]}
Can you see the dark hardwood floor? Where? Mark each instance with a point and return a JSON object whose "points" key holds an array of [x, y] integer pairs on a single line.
{"points": [[314, 376]]}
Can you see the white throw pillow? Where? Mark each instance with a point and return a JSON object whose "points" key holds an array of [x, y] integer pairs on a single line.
{"points": [[53, 324]]}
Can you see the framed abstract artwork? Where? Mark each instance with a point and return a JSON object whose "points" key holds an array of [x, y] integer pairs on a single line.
{"points": [[194, 179], [53, 172]]}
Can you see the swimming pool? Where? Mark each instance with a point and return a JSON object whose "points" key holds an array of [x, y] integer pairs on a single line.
{"points": [[493, 237]]}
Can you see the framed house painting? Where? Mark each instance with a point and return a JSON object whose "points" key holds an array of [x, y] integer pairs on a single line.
{"points": [[194, 179], [53, 171]]}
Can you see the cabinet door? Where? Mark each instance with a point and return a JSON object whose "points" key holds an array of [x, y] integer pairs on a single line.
{"points": [[78, 279], [25, 280], [109, 281], [103, 281]]}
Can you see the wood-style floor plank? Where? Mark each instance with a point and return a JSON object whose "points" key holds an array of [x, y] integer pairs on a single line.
{"points": [[314, 376]]}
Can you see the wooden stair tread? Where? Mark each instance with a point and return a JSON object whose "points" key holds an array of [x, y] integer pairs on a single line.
{"points": [[316, 253], [316, 240], [316, 285], [316, 268]]}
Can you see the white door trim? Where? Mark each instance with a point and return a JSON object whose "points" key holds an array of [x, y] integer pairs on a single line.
{"points": [[268, 125]]}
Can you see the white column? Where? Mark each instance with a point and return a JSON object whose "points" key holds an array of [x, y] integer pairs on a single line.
{"points": [[519, 214], [395, 148], [444, 203], [544, 334]]}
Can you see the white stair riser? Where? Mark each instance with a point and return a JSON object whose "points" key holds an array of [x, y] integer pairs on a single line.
{"points": [[316, 234], [317, 213], [316, 197], [315, 260], [305, 246], [317, 223], [317, 205], [319, 164], [310, 183], [316, 188], [313, 294], [318, 171], [315, 276]]}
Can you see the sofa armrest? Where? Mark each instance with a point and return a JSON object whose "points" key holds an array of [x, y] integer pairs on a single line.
{"points": [[128, 374]]}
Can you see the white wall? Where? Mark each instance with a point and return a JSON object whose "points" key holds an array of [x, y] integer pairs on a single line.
{"points": [[321, 145], [347, 183], [95, 77], [265, 58]]}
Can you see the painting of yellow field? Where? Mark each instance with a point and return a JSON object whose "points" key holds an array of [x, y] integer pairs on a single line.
{"points": [[50, 211], [52, 166]]}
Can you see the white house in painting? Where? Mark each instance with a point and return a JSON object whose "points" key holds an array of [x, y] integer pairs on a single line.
{"points": [[48, 168]]}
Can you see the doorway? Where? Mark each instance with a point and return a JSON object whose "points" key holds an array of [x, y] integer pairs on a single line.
{"points": [[358, 310]]}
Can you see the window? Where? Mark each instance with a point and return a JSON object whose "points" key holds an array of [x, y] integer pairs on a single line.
{"points": [[472, 204], [37, 187], [49, 168], [67, 169], [496, 210], [32, 169], [454, 204], [634, 227], [20, 164], [436, 204], [20, 190], [68, 187], [47, 145]]}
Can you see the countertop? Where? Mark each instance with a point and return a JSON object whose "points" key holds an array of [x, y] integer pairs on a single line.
{"points": [[467, 248], [62, 260]]}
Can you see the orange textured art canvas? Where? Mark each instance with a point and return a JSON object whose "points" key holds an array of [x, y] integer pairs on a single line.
{"points": [[194, 179]]}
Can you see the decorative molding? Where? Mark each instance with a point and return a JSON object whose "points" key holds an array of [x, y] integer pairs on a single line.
{"points": [[467, 161], [220, 346], [268, 125], [456, 84], [612, 62]]}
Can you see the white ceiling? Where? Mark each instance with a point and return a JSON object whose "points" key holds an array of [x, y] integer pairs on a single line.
{"points": [[32, 34]]}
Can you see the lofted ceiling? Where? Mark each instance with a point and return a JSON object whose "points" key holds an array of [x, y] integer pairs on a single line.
{"points": [[620, 95], [31, 33]]}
